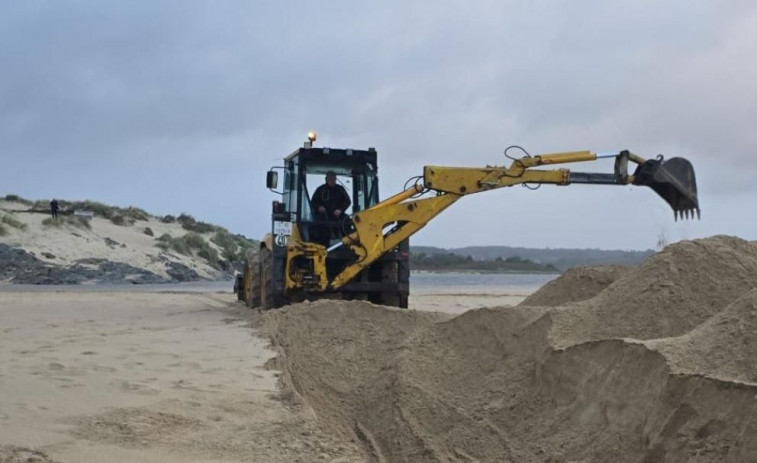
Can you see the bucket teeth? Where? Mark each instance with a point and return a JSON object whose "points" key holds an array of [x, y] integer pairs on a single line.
{"points": [[687, 214]]}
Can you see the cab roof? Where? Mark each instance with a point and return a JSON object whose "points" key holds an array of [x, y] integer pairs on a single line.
{"points": [[334, 155]]}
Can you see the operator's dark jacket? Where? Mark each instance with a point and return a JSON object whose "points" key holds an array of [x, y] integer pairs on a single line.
{"points": [[330, 197]]}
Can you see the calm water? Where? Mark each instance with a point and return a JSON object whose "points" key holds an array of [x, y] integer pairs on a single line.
{"points": [[480, 283], [420, 283]]}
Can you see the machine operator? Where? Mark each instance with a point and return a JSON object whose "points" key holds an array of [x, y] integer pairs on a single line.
{"points": [[329, 203]]}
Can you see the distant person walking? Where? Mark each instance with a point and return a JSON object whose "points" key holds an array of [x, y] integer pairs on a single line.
{"points": [[54, 208]]}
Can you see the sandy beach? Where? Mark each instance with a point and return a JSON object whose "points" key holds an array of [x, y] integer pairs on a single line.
{"points": [[123, 377], [630, 364]]}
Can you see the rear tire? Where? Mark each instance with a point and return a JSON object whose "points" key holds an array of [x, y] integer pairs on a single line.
{"points": [[266, 279], [239, 286], [251, 286], [268, 297]]}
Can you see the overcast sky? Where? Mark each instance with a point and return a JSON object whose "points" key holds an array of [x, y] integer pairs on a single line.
{"points": [[183, 106]]}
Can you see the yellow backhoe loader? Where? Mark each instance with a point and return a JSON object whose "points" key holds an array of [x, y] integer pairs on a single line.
{"points": [[363, 253]]}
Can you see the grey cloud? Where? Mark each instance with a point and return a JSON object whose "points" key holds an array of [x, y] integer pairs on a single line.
{"points": [[184, 105]]}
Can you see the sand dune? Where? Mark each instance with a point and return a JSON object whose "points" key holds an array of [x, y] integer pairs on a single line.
{"points": [[65, 246]]}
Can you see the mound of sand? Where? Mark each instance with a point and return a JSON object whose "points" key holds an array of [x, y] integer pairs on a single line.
{"points": [[671, 293], [528, 384], [725, 346], [487, 386], [348, 352], [576, 284]]}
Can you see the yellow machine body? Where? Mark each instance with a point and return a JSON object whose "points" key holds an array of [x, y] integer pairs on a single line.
{"points": [[380, 228]]}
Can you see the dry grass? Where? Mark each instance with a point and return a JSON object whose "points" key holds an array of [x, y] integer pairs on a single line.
{"points": [[18, 199], [189, 223], [66, 220], [12, 222], [234, 247], [189, 244]]}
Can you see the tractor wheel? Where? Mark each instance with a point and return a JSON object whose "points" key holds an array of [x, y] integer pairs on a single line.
{"points": [[267, 299], [239, 287], [251, 286], [390, 274]]}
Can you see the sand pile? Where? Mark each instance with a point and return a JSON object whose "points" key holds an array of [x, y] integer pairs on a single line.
{"points": [[525, 384], [334, 355], [725, 346], [671, 293], [576, 284]]}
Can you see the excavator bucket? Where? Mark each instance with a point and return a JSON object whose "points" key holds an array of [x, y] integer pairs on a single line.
{"points": [[674, 181]]}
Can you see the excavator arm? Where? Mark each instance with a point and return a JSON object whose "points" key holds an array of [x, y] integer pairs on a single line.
{"points": [[383, 226]]}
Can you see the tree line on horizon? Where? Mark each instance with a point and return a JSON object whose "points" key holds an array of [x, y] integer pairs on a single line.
{"points": [[455, 262], [561, 258]]}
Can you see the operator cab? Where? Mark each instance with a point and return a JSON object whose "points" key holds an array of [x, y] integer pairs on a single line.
{"points": [[291, 273], [305, 170]]}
